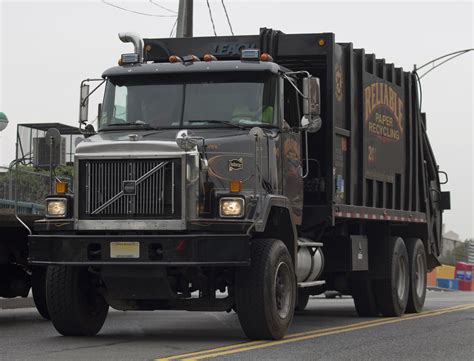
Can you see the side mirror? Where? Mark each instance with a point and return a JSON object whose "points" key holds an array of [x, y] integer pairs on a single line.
{"points": [[445, 180], [99, 111], [312, 96], [445, 201], [84, 104], [89, 131]]}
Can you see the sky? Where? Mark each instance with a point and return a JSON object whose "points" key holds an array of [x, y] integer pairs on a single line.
{"points": [[47, 48]]}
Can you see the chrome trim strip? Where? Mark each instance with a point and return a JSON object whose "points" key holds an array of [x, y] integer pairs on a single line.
{"points": [[131, 224]]}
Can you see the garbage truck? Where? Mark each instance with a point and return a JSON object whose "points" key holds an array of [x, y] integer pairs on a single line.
{"points": [[244, 173]]}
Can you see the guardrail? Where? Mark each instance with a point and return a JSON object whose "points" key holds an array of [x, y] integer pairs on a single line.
{"points": [[23, 207]]}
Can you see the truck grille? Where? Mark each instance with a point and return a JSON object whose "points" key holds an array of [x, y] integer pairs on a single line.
{"points": [[145, 188]]}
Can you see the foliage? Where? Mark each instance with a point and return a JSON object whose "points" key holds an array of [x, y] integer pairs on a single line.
{"points": [[458, 254], [32, 184]]}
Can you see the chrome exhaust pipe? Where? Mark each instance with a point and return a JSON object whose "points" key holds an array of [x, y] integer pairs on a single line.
{"points": [[137, 43]]}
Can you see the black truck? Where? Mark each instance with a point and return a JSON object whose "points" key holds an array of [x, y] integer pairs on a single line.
{"points": [[245, 173]]}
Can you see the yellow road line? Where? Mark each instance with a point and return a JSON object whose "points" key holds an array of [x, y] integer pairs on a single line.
{"points": [[240, 347], [320, 334], [197, 353], [378, 320]]}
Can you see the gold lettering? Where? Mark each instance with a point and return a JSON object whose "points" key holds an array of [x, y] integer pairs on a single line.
{"points": [[373, 87], [385, 95], [400, 114], [381, 93], [367, 102]]}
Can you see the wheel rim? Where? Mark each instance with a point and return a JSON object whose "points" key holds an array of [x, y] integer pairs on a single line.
{"points": [[401, 281], [283, 290], [419, 275]]}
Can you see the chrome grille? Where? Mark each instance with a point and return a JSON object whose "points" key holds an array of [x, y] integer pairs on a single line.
{"points": [[130, 188]]}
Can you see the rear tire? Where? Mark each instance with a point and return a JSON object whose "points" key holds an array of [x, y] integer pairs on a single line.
{"points": [[75, 307], [418, 270], [364, 297], [38, 288], [265, 292], [392, 293]]}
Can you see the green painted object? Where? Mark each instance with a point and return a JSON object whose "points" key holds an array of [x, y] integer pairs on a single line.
{"points": [[3, 121]]}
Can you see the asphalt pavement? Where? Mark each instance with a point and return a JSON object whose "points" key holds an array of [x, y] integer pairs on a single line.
{"points": [[328, 330]]}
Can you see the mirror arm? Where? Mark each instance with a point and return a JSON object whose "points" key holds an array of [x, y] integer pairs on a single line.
{"points": [[93, 90], [293, 85]]}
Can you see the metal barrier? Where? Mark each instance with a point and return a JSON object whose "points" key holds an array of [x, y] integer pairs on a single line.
{"points": [[23, 207]]}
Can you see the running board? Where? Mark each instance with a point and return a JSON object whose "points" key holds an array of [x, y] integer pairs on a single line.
{"points": [[310, 284]]}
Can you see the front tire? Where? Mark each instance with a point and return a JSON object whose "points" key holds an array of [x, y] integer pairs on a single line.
{"points": [[75, 306], [391, 293], [265, 291], [38, 288], [418, 270]]}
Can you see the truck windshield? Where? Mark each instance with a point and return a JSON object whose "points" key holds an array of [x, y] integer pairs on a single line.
{"points": [[190, 101]]}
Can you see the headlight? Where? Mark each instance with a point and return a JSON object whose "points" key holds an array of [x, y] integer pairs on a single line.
{"points": [[56, 207], [231, 207]]}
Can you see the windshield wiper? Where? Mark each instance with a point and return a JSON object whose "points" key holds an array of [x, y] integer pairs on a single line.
{"points": [[215, 121], [142, 125]]}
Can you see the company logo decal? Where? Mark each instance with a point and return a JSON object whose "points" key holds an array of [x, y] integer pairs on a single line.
{"points": [[383, 112], [129, 187], [231, 49], [236, 164]]}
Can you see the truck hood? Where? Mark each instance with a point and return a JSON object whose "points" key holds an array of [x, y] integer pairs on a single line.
{"points": [[126, 144]]}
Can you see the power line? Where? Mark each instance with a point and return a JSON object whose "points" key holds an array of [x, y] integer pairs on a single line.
{"points": [[164, 8], [227, 16], [138, 12], [212, 20]]}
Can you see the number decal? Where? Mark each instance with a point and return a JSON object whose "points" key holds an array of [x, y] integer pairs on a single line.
{"points": [[371, 155]]}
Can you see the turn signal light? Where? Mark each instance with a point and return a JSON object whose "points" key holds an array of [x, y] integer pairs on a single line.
{"points": [[209, 57], [235, 186], [266, 57], [175, 59], [61, 187]]}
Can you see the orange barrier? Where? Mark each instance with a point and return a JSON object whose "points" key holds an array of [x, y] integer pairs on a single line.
{"points": [[431, 278]]}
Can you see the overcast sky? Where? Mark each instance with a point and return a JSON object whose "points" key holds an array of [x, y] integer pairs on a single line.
{"points": [[47, 48]]}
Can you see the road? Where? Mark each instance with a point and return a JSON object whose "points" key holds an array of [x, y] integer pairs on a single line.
{"points": [[327, 330]]}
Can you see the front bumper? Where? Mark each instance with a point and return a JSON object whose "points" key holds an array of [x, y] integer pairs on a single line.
{"points": [[159, 250]]}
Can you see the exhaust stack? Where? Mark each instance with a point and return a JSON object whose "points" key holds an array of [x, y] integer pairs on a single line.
{"points": [[137, 43]]}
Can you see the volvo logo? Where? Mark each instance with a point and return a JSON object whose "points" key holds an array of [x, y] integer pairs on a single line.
{"points": [[129, 187]]}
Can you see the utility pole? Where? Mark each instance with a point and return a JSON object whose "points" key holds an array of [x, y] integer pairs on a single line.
{"points": [[185, 19]]}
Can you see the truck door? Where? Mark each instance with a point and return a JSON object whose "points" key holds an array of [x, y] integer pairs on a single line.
{"points": [[291, 151]]}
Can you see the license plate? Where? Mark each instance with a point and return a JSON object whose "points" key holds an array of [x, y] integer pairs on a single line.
{"points": [[124, 249]]}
